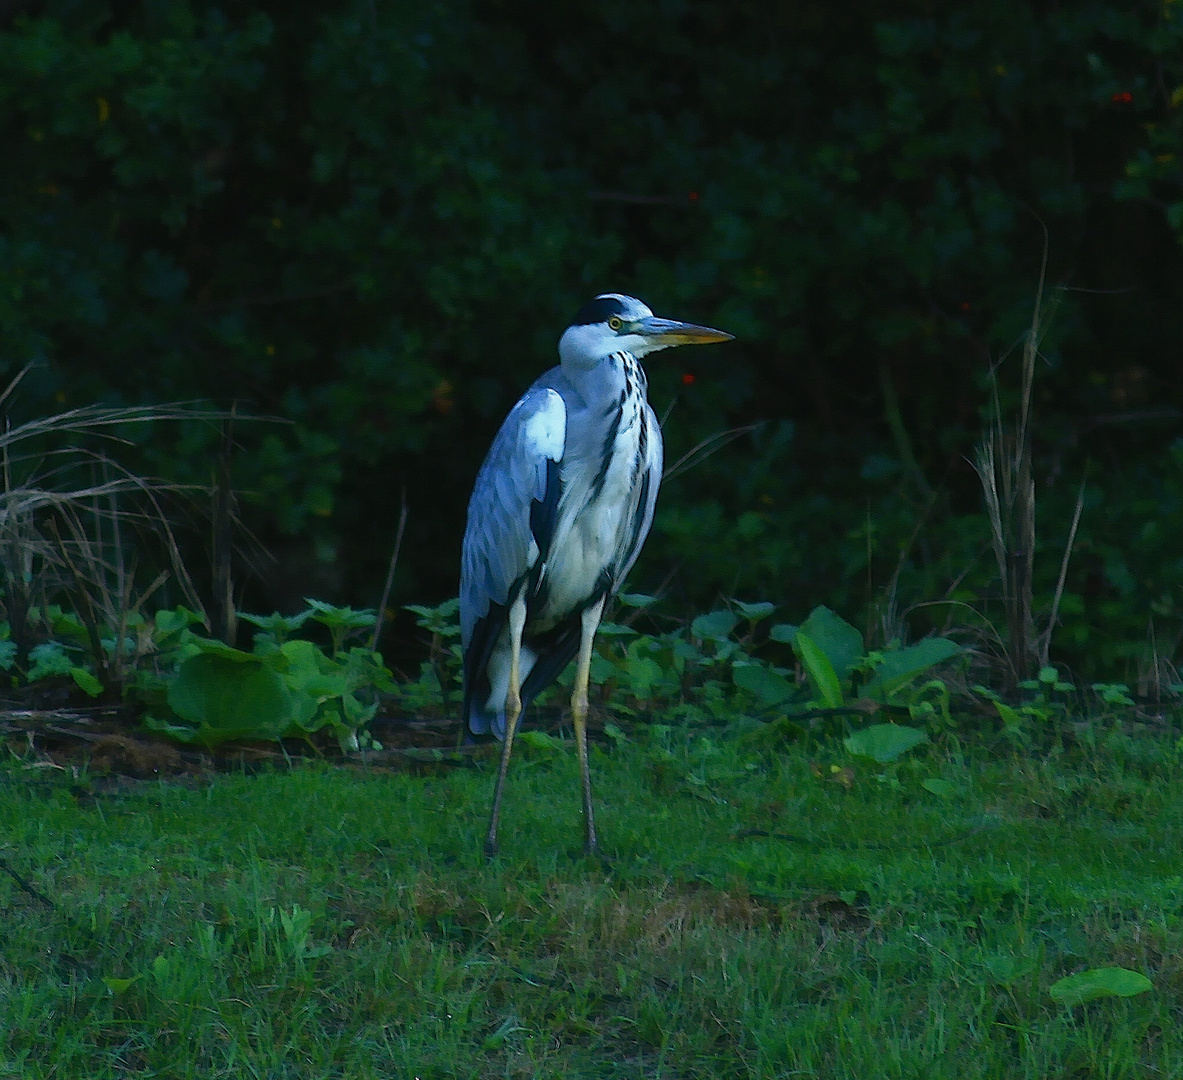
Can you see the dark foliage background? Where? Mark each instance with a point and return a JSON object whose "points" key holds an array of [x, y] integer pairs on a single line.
{"points": [[374, 220]]}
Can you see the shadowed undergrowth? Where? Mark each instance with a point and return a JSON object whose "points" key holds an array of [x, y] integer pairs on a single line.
{"points": [[341, 922]]}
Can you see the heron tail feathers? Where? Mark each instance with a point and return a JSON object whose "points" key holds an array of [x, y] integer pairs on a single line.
{"points": [[486, 721]]}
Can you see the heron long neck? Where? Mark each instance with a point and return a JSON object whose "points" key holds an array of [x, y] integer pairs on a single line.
{"points": [[615, 380], [620, 417]]}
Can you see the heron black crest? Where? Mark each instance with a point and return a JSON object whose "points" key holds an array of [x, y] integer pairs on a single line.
{"points": [[599, 310]]}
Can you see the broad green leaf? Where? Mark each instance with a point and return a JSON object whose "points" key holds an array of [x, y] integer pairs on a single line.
{"points": [[769, 686], [540, 740], [642, 673], [305, 661], [308, 714], [275, 621], [939, 787], [175, 619], [365, 668], [716, 626], [357, 712], [615, 734], [440, 619], [884, 742], [686, 651], [443, 610], [68, 625], [1098, 983], [636, 599], [48, 659], [214, 647], [820, 670], [314, 680], [87, 683], [332, 615], [841, 642], [230, 699], [1110, 693], [902, 665], [754, 612], [784, 632], [331, 684], [120, 986], [612, 629], [1011, 718]]}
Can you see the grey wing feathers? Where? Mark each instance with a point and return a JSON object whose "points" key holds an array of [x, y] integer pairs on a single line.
{"points": [[500, 545]]}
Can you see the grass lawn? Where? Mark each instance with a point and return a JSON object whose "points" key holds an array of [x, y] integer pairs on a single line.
{"points": [[340, 921]]}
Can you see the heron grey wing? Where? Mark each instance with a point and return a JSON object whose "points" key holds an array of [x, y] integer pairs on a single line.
{"points": [[512, 508]]}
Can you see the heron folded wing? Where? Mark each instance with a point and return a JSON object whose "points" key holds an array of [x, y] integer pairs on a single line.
{"points": [[511, 512], [511, 519]]}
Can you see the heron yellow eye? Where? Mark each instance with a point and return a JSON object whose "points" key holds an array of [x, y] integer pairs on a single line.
{"points": [[615, 323]]}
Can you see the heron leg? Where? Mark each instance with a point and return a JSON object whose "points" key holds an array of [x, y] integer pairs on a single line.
{"points": [[513, 709], [590, 621]]}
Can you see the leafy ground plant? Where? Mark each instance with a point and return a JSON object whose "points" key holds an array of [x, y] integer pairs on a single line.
{"points": [[440, 673], [839, 669], [719, 665], [203, 691]]}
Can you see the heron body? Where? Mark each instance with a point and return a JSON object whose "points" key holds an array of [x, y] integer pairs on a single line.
{"points": [[558, 515]]}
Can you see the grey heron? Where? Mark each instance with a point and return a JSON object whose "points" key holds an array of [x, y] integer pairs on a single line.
{"points": [[558, 514]]}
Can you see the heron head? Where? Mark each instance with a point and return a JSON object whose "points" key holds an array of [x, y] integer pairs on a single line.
{"points": [[613, 323]]}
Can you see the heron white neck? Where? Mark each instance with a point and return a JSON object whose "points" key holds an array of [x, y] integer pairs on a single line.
{"points": [[615, 378]]}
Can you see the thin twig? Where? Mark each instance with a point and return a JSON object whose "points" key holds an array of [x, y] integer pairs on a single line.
{"points": [[398, 543], [15, 380], [996, 637], [704, 449], [1046, 644], [223, 615], [24, 886]]}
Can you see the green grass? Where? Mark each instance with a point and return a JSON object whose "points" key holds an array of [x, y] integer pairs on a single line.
{"points": [[334, 922]]}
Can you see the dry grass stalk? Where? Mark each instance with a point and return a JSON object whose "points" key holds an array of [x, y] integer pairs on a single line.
{"points": [[698, 453], [386, 588], [224, 616], [1003, 464], [64, 509], [1045, 640]]}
